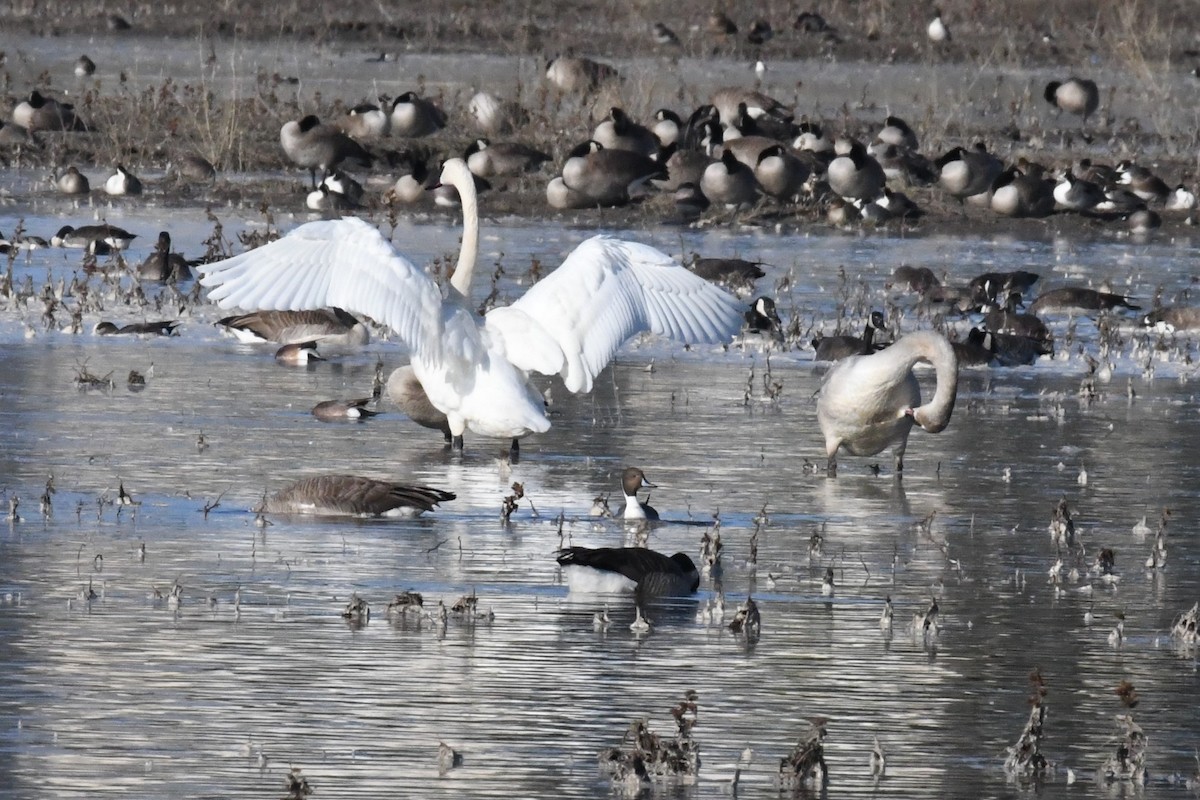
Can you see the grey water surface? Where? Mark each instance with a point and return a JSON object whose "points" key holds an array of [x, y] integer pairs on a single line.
{"points": [[124, 695]]}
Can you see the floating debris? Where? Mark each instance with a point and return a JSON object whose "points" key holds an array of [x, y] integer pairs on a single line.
{"points": [[296, 785], [747, 621], [357, 611], [1062, 527], [408, 602], [1184, 629], [447, 758], [1128, 761], [653, 757], [1025, 759]]}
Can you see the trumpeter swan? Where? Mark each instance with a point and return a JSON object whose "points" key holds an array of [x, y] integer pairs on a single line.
{"points": [[474, 369], [870, 402]]}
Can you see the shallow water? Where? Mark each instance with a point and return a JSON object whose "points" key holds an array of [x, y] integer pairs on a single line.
{"points": [[123, 694]]}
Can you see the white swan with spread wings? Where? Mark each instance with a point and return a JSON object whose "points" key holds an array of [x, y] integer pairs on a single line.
{"points": [[474, 368]]}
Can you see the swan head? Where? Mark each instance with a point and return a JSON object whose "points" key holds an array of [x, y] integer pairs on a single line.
{"points": [[931, 421]]}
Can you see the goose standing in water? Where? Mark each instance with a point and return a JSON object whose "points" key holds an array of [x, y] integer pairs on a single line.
{"points": [[474, 369], [869, 403], [837, 348]]}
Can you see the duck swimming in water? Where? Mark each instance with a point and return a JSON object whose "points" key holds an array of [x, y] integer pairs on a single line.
{"points": [[474, 369]]}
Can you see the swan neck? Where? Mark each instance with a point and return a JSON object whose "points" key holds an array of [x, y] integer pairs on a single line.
{"points": [[467, 254], [934, 416]]}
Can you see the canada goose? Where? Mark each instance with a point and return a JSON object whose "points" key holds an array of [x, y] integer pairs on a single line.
{"points": [[898, 205], [992, 287], [472, 368], [1075, 194], [122, 183], [719, 24], [668, 127], [1143, 221], [836, 348], [689, 201], [967, 173], [413, 116], [351, 495], [812, 137], [778, 129], [619, 132], [728, 104], [84, 67], [901, 164], [41, 113], [73, 182], [760, 32], [937, 31], [748, 149], [340, 183], [192, 167], [896, 131], [868, 403], [341, 410], [564, 198], [163, 265], [86, 235], [159, 328], [494, 116], [730, 182], [323, 198], [502, 159], [855, 175], [608, 177], [976, 351], [1075, 297], [413, 183], [733, 273], [842, 213], [572, 74], [405, 390], [1015, 194], [1016, 350], [1077, 96], [331, 327], [914, 279], [633, 479], [617, 570], [298, 354], [365, 122], [663, 35], [312, 146], [1010, 321], [763, 317], [683, 166], [1181, 199]]}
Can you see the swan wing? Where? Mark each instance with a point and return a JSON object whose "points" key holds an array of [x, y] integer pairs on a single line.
{"points": [[606, 291], [344, 263]]}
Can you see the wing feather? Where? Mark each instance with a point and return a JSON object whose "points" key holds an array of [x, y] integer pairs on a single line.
{"points": [[345, 263], [606, 291]]}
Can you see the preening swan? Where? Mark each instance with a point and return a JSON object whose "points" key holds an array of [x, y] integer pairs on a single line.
{"points": [[474, 369], [870, 402]]}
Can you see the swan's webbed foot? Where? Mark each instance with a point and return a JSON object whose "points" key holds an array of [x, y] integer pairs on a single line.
{"points": [[514, 452]]}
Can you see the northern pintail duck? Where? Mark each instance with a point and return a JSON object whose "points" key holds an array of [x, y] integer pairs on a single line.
{"points": [[328, 326], [619, 570], [122, 183], [73, 182], [633, 479], [547, 330], [619, 132], [41, 113], [868, 403], [352, 495], [608, 177], [85, 236], [487, 159], [163, 265], [1077, 96], [414, 116], [836, 348], [575, 74], [314, 146], [298, 354], [341, 410]]}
